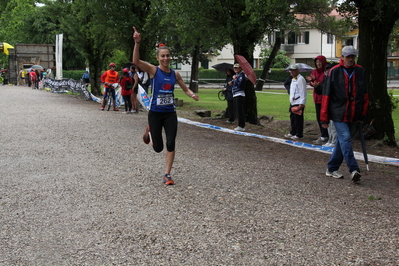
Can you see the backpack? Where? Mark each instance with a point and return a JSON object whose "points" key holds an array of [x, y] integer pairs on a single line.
{"points": [[128, 85]]}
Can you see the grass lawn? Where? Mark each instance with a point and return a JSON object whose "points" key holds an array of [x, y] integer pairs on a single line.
{"points": [[270, 102]]}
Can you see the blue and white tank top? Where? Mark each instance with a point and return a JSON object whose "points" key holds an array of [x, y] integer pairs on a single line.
{"points": [[163, 85]]}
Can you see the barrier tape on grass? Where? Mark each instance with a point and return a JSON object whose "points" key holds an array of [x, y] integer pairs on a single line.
{"points": [[358, 155]]}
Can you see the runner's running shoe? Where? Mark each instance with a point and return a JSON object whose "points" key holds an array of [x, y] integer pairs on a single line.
{"points": [[102, 108], [167, 180], [146, 135]]}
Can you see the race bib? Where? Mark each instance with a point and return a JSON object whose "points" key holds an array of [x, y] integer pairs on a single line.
{"points": [[165, 99]]}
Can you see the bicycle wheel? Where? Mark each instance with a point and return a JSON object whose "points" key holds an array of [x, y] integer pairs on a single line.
{"points": [[109, 101], [221, 96]]}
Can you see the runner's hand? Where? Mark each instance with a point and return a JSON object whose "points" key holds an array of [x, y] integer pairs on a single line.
{"points": [[136, 35]]}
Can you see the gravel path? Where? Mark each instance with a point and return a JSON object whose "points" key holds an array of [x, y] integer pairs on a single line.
{"points": [[79, 187]]}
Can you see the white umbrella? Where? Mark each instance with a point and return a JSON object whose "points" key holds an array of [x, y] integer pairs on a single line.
{"points": [[302, 67]]}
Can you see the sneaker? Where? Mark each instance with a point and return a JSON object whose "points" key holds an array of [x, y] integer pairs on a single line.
{"points": [[116, 109], [288, 136], [229, 122], [296, 137], [133, 111], [334, 174], [239, 128], [102, 108], [167, 180], [146, 135], [124, 112], [319, 141], [356, 176]]}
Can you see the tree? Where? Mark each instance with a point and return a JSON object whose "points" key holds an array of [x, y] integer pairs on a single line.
{"points": [[376, 21], [192, 34], [95, 34]]}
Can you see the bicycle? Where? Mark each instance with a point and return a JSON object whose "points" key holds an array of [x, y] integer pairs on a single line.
{"points": [[109, 100], [222, 95]]}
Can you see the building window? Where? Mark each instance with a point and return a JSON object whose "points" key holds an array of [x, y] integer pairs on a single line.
{"points": [[303, 37]]}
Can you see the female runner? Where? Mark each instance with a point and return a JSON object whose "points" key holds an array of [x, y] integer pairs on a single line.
{"points": [[162, 112]]}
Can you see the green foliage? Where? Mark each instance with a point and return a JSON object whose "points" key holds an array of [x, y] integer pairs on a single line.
{"points": [[280, 60]]}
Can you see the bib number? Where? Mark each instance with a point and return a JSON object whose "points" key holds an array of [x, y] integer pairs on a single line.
{"points": [[165, 99]]}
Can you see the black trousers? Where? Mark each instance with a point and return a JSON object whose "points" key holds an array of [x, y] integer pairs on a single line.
{"points": [[239, 105], [297, 124]]}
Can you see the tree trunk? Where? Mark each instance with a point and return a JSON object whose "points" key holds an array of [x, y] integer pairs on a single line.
{"points": [[266, 67], [194, 70], [95, 74], [373, 39]]}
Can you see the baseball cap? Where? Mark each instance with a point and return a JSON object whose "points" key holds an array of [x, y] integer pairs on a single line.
{"points": [[236, 65], [293, 67], [349, 50]]}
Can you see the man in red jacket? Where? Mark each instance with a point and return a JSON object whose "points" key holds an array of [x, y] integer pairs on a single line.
{"points": [[345, 101]]}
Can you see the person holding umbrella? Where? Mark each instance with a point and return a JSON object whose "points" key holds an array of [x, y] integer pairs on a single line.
{"points": [[345, 101], [238, 83]]}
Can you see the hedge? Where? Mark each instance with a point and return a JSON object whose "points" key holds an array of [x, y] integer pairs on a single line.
{"points": [[207, 75]]}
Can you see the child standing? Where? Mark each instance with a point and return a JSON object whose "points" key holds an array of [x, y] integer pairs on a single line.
{"points": [[126, 83]]}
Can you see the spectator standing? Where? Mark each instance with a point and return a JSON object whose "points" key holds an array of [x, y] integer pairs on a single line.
{"points": [[162, 113], [238, 89], [127, 84], [86, 78], [143, 78], [315, 80], [345, 102], [134, 76], [298, 101], [32, 78], [21, 77], [228, 94]]}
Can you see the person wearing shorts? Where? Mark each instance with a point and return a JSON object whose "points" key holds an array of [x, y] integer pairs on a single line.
{"points": [[162, 113]]}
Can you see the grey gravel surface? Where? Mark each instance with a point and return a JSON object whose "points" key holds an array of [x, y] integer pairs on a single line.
{"points": [[79, 187]]}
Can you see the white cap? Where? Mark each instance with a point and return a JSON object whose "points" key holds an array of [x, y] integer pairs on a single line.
{"points": [[349, 50]]}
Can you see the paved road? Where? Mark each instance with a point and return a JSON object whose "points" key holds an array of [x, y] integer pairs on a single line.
{"points": [[78, 187]]}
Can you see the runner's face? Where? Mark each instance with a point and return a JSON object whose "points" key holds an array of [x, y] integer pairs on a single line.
{"points": [[319, 64], [349, 60], [163, 57]]}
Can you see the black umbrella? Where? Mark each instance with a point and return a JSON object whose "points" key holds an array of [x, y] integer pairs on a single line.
{"points": [[222, 67], [363, 142], [127, 65]]}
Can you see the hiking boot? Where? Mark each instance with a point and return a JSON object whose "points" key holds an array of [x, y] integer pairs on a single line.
{"points": [[356, 176], [167, 180], [146, 135], [334, 174]]}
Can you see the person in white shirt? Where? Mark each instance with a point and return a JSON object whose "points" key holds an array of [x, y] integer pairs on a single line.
{"points": [[297, 103]]}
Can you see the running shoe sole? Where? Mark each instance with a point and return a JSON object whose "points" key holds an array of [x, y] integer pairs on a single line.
{"points": [[167, 180]]}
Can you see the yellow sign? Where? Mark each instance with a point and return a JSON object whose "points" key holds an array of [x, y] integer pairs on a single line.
{"points": [[4, 47]]}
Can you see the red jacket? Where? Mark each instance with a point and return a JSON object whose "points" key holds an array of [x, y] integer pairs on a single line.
{"points": [[339, 103], [32, 76], [319, 75], [123, 81]]}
